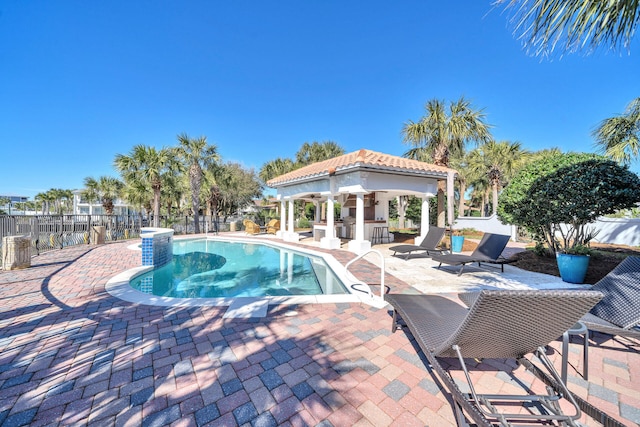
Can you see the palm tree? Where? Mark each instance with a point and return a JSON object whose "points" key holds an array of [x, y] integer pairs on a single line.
{"points": [[480, 194], [4, 201], [498, 161], [574, 24], [90, 192], [211, 189], [40, 200], [460, 163], [275, 168], [197, 154], [440, 134], [146, 164], [46, 198], [60, 199], [619, 137], [106, 189], [136, 193], [174, 186], [66, 201], [317, 152]]}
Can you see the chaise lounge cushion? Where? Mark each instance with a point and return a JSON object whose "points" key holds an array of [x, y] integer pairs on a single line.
{"points": [[621, 288], [489, 250], [428, 244]]}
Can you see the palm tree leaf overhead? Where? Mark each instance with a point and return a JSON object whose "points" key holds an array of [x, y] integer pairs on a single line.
{"points": [[573, 25]]}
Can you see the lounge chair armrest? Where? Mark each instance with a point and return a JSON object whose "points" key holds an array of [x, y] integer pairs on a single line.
{"points": [[468, 298]]}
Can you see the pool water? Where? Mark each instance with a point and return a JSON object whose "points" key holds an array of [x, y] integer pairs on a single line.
{"points": [[207, 268]]}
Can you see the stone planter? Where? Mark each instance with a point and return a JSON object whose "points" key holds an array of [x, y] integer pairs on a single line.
{"points": [[16, 252]]}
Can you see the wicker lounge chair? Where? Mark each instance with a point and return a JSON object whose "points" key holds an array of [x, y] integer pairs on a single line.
{"points": [[499, 324], [251, 227], [619, 311], [489, 251], [429, 243], [273, 226]]}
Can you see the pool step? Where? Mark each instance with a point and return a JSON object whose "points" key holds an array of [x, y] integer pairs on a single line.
{"points": [[244, 308]]}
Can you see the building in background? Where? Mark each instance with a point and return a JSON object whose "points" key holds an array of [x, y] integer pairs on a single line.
{"points": [[83, 206], [8, 201]]}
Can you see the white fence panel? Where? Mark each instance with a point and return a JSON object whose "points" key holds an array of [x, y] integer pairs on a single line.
{"points": [[618, 231], [489, 224], [614, 231]]}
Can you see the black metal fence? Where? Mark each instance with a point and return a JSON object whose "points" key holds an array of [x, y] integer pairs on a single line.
{"points": [[48, 232]]}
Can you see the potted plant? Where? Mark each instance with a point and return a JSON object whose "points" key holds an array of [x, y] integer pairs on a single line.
{"points": [[457, 241], [558, 196], [573, 263]]}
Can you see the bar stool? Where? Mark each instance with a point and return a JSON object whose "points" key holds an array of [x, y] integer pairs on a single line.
{"points": [[379, 234], [577, 329]]}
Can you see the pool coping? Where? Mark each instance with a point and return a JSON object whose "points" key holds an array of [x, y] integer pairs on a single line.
{"points": [[119, 287]]}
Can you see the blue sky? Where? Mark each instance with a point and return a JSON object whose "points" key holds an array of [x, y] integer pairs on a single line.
{"points": [[83, 80]]}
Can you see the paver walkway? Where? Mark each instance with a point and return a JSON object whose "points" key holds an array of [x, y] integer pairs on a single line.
{"points": [[71, 354]]}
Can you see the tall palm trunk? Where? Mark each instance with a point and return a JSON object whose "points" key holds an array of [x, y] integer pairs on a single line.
{"points": [[494, 189], [403, 202], [441, 204], [441, 158], [156, 204], [463, 189], [195, 178]]}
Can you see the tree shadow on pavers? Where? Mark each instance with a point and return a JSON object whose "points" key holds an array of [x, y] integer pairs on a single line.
{"points": [[107, 360], [504, 369], [614, 342], [108, 365], [44, 289], [468, 269], [293, 364], [44, 342]]}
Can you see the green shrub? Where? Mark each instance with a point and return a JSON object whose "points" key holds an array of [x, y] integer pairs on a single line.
{"points": [[571, 189], [303, 223]]}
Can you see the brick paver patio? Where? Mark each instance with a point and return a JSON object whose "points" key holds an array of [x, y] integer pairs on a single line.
{"points": [[71, 354]]}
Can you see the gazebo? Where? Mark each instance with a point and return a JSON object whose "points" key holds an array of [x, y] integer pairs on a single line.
{"points": [[363, 182]]}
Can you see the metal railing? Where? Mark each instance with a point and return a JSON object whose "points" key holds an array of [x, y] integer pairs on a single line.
{"points": [[382, 272], [48, 232]]}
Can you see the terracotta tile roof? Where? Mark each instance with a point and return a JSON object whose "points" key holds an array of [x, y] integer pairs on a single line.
{"points": [[361, 158]]}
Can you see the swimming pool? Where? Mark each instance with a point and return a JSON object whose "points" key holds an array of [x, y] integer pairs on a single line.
{"points": [[208, 268]]}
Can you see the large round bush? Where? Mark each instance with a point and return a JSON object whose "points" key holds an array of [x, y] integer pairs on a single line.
{"points": [[557, 196]]}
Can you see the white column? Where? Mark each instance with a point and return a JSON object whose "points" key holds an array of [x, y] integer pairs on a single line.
{"points": [[283, 221], [330, 241], [424, 216], [290, 235], [330, 233], [359, 217], [289, 267], [282, 259], [290, 226], [359, 245], [318, 206]]}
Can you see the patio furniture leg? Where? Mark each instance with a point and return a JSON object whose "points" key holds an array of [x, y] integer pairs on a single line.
{"points": [[461, 268]]}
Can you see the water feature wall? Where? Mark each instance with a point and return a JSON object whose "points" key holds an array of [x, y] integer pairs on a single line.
{"points": [[157, 246]]}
